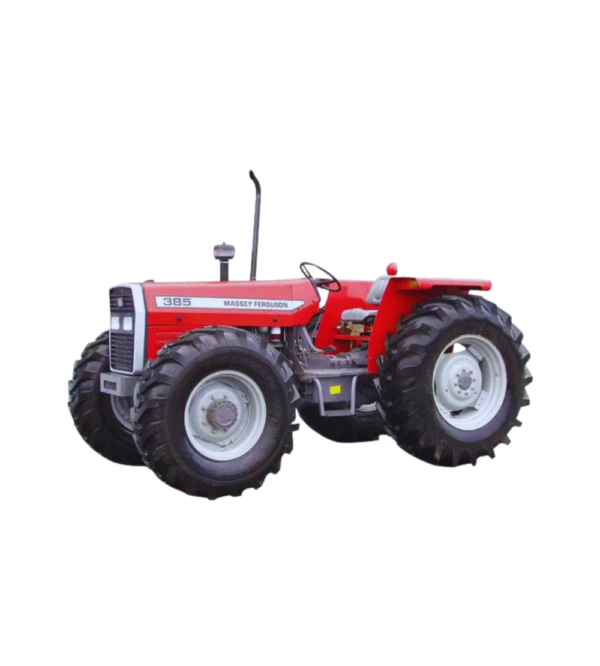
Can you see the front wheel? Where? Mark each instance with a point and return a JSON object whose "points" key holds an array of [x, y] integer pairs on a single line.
{"points": [[453, 380], [102, 420], [214, 411]]}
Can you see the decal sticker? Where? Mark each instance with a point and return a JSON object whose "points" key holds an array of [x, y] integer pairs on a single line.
{"points": [[226, 303]]}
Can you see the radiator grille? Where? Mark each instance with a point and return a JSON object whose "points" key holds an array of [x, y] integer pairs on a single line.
{"points": [[121, 300], [121, 351], [122, 342]]}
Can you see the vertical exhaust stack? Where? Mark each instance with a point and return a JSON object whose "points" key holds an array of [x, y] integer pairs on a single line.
{"points": [[256, 226]]}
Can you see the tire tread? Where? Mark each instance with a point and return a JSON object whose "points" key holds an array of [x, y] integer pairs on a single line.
{"points": [[401, 372], [157, 381]]}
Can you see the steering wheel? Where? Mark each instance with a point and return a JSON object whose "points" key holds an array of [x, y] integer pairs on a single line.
{"points": [[333, 284]]}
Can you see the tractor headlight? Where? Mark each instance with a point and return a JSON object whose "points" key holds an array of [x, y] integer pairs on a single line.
{"points": [[121, 323]]}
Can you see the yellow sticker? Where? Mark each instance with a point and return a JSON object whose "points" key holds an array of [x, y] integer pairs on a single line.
{"points": [[335, 390]]}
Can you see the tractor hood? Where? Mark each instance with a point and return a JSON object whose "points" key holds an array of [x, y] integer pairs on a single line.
{"points": [[276, 303]]}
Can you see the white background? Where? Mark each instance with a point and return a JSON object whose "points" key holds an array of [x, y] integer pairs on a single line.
{"points": [[458, 139]]}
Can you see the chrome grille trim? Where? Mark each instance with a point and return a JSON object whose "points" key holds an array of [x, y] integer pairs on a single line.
{"points": [[124, 358]]}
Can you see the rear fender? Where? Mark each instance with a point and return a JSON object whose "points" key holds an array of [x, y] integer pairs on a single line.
{"points": [[399, 299]]}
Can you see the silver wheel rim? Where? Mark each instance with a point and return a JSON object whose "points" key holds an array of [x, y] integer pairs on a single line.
{"points": [[225, 415], [469, 386], [368, 409], [122, 410]]}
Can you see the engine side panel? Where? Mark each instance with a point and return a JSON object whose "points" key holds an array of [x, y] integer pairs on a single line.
{"points": [[174, 308]]}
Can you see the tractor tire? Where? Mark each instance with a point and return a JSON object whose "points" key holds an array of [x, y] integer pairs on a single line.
{"points": [[362, 427], [99, 419], [421, 380], [206, 387]]}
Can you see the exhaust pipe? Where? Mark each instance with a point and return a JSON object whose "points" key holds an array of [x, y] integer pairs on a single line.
{"points": [[256, 226]]}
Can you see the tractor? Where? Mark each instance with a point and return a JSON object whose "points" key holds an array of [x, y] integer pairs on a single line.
{"points": [[202, 382]]}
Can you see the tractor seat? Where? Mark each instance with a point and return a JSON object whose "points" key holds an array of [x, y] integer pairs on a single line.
{"points": [[357, 315], [376, 291]]}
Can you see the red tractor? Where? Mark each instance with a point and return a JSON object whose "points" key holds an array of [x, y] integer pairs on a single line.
{"points": [[201, 381]]}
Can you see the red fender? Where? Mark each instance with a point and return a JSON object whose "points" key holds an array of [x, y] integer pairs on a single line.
{"points": [[399, 299]]}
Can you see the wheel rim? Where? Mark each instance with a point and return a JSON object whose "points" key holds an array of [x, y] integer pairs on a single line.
{"points": [[368, 409], [225, 415], [469, 386], [122, 410]]}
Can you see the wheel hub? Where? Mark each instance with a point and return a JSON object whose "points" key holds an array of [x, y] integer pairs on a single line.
{"points": [[465, 381], [457, 381], [225, 415], [222, 414], [469, 386]]}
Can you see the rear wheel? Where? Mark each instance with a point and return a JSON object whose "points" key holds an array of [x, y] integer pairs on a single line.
{"points": [[453, 380], [102, 420], [214, 412]]}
